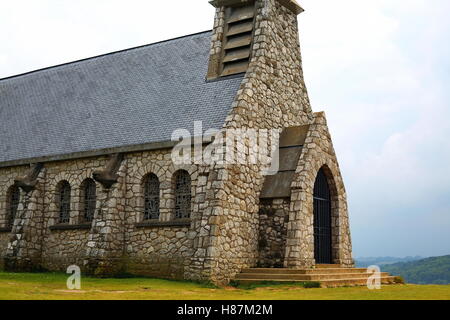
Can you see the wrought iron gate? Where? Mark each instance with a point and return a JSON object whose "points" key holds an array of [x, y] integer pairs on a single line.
{"points": [[322, 220]]}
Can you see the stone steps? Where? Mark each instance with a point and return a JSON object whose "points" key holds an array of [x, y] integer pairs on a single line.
{"points": [[353, 282], [304, 271], [329, 283], [328, 266], [327, 275], [305, 277]]}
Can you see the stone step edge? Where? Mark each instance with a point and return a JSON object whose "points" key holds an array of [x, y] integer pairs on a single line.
{"points": [[325, 266], [309, 275], [321, 281], [278, 270]]}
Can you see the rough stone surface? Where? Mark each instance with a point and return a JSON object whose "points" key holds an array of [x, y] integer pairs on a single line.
{"points": [[273, 221]]}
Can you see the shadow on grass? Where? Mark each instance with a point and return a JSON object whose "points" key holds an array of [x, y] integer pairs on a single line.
{"points": [[57, 277], [50, 277], [265, 284]]}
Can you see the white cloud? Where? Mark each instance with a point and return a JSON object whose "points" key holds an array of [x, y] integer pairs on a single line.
{"points": [[49, 32], [375, 67]]}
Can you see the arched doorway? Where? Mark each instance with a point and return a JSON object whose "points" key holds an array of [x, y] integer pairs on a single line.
{"points": [[322, 220]]}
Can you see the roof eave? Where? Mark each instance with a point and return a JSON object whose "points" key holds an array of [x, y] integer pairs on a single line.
{"points": [[95, 153]]}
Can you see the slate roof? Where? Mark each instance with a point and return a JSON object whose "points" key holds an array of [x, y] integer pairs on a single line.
{"points": [[132, 97]]}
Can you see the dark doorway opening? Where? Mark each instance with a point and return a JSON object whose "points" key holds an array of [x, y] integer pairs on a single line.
{"points": [[322, 220]]}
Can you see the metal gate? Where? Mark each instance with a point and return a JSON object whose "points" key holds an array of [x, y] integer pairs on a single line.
{"points": [[322, 220]]}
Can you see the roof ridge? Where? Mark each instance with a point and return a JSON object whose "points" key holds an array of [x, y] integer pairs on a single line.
{"points": [[101, 55]]}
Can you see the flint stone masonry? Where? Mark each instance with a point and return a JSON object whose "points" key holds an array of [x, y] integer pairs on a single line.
{"points": [[230, 227]]}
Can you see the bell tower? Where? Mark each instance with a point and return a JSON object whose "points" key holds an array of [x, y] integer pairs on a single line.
{"points": [[235, 34]]}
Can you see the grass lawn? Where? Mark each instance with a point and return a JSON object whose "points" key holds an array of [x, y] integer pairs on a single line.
{"points": [[51, 286]]}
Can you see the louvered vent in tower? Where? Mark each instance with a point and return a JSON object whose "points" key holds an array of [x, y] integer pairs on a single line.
{"points": [[238, 39]]}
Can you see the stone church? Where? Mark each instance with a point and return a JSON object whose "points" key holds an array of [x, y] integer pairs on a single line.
{"points": [[86, 170]]}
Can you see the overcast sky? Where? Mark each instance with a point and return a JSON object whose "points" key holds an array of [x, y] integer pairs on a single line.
{"points": [[380, 69]]}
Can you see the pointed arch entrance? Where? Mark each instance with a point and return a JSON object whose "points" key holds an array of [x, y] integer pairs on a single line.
{"points": [[322, 220]]}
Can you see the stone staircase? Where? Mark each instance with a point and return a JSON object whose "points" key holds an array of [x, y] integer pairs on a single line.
{"points": [[328, 275]]}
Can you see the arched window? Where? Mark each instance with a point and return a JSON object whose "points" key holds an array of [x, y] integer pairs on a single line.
{"points": [[88, 199], [63, 201], [12, 203], [182, 195], [151, 197]]}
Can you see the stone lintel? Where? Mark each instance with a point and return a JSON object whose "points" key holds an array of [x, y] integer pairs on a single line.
{"points": [[162, 224], [63, 227], [290, 4]]}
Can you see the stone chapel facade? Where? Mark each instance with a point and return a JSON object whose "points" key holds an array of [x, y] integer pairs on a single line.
{"points": [[87, 178]]}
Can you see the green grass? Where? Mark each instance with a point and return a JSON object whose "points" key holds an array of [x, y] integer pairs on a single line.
{"points": [[51, 286]]}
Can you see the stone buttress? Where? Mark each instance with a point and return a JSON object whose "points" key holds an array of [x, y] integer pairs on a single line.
{"points": [[24, 247]]}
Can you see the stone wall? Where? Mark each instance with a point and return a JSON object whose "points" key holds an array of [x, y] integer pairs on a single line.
{"points": [[117, 240], [216, 43], [23, 251], [4, 239], [163, 247], [7, 177], [160, 251], [6, 181], [273, 220], [63, 248]]}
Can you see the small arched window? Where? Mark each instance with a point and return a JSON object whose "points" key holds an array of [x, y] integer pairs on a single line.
{"points": [[63, 201], [12, 203], [182, 195], [151, 197], [88, 199]]}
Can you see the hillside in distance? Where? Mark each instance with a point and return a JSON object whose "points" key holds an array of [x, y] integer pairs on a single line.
{"points": [[364, 262], [434, 270]]}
